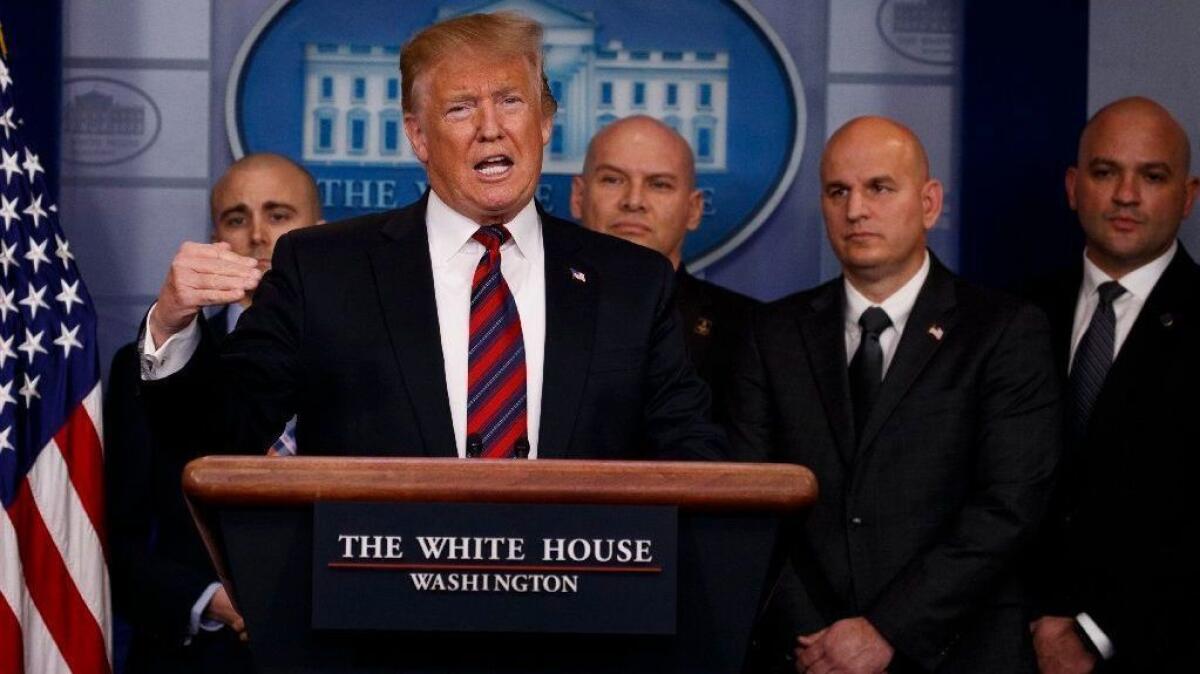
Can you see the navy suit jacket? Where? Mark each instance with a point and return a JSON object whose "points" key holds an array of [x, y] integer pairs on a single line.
{"points": [[1116, 543], [157, 563], [343, 332], [921, 518]]}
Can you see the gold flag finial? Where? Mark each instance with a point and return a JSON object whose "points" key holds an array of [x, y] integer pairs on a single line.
{"points": [[3, 46]]}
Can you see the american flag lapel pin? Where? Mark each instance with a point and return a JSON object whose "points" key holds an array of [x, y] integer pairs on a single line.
{"points": [[936, 332], [578, 276]]}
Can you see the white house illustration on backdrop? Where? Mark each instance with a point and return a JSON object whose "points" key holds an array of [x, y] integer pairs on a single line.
{"points": [[352, 93]]}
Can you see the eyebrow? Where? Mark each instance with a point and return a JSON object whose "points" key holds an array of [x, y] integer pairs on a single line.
{"points": [[239, 208], [1105, 161], [617, 169], [243, 208]]}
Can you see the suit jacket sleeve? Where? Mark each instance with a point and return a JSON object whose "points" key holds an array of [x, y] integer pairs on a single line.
{"points": [[250, 385], [1016, 451], [748, 401], [677, 412], [152, 590]]}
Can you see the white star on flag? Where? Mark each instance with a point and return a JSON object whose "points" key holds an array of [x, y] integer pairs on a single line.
{"points": [[69, 295], [9, 164], [6, 398], [67, 340], [32, 345], [37, 253], [62, 249], [7, 122], [6, 350], [34, 210], [29, 390], [34, 300], [32, 165], [6, 305], [8, 210], [52, 498], [6, 255]]}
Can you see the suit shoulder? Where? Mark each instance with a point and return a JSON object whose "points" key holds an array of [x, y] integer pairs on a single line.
{"points": [[719, 295], [988, 305], [351, 231], [606, 251], [800, 304]]}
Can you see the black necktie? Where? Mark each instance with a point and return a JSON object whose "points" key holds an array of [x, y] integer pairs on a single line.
{"points": [[1093, 357], [866, 368]]}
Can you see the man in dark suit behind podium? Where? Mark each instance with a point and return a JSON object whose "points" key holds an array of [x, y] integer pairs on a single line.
{"points": [[466, 324], [163, 583], [639, 183], [928, 409], [1117, 584]]}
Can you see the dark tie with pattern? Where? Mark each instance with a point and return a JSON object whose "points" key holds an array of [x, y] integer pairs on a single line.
{"points": [[496, 421], [1094, 356], [866, 368]]}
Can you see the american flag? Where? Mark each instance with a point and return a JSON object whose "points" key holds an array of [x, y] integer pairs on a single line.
{"points": [[54, 600]]}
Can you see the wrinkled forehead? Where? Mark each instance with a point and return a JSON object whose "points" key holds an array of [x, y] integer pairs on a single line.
{"points": [[472, 68], [857, 161], [1135, 137]]}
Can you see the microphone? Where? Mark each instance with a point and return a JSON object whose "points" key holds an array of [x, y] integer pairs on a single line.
{"points": [[474, 446]]}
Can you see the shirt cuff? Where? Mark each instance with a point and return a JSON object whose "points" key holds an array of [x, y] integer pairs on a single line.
{"points": [[174, 353], [1097, 635], [198, 621]]}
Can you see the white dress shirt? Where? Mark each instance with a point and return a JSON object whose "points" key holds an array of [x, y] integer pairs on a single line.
{"points": [[898, 306], [1138, 285], [454, 255]]}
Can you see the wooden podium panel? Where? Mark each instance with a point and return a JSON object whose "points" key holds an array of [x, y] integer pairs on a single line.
{"points": [[255, 515]]}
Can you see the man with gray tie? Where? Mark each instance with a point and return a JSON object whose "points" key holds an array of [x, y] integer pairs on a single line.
{"points": [[1115, 583]]}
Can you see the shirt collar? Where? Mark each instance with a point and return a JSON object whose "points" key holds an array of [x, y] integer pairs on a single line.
{"points": [[898, 305], [450, 231], [1138, 283]]}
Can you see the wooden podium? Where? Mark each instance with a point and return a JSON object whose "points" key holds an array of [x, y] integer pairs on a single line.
{"points": [[256, 516]]}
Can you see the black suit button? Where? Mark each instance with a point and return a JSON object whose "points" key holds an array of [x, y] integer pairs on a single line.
{"points": [[856, 521]]}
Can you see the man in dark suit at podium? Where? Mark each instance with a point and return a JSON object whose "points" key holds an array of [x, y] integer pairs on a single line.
{"points": [[928, 409], [639, 183], [163, 583], [1116, 581], [466, 324]]}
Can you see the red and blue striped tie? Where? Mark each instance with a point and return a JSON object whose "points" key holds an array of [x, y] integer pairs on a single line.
{"points": [[496, 420]]}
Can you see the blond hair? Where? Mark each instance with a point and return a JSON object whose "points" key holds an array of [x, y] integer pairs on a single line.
{"points": [[500, 34]]}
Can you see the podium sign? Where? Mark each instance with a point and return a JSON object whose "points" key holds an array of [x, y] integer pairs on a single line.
{"points": [[487, 567]]}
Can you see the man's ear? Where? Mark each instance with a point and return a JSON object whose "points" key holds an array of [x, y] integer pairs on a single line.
{"points": [[577, 189], [932, 195], [1069, 182], [416, 137]]}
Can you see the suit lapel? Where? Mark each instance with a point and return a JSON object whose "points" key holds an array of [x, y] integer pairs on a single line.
{"points": [[1149, 343], [571, 297], [825, 343], [404, 280], [931, 319]]}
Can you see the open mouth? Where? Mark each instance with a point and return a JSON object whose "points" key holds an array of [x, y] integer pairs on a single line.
{"points": [[496, 165]]}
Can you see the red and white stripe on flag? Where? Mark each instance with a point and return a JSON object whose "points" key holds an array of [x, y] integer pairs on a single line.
{"points": [[55, 613]]}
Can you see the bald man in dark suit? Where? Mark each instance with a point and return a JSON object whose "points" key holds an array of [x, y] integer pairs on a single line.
{"points": [[928, 409]]}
